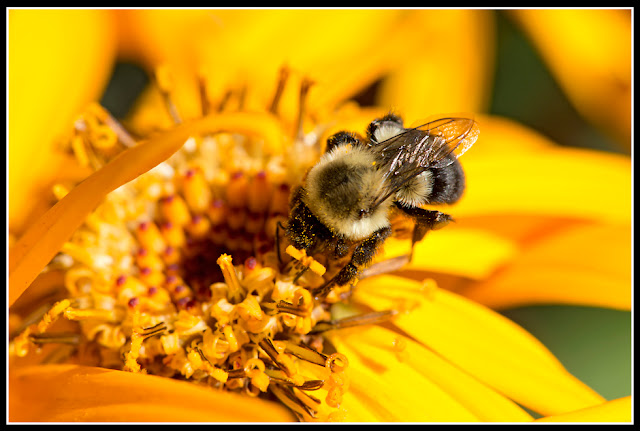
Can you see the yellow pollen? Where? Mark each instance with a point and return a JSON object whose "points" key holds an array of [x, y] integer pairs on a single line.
{"points": [[90, 314], [306, 261]]}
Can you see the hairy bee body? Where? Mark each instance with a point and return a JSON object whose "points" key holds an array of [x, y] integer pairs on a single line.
{"points": [[344, 204]]}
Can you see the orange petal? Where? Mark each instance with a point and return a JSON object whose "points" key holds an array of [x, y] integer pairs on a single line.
{"points": [[488, 346], [53, 74], [446, 64], [61, 393], [593, 68], [581, 265], [323, 49], [44, 239], [619, 410], [407, 370]]}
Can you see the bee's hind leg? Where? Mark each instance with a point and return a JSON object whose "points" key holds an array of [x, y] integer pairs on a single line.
{"points": [[425, 220]]}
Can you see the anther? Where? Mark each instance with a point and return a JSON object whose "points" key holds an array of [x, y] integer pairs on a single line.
{"points": [[372, 318], [307, 261], [59, 338]]}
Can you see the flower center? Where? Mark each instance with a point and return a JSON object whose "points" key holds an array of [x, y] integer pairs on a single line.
{"points": [[185, 273]]}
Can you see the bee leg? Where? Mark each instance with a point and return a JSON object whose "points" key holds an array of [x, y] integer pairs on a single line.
{"points": [[362, 255], [278, 227], [425, 220]]}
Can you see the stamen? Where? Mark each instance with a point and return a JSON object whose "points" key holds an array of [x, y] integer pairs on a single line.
{"points": [[337, 362], [304, 91], [307, 261], [61, 338], [286, 395], [372, 318], [105, 117], [204, 99], [303, 351], [164, 83], [90, 314], [283, 75], [79, 150], [281, 360], [231, 278]]}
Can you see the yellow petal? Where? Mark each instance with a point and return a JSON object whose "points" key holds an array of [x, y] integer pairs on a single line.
{"points": [[60, 393], [53, 74], [447, 64], [445, 392], [500, 136], [618, 410], [558, 182], [488, 346], [580, 265], [593, 67], [44, 239], [471, 253]]}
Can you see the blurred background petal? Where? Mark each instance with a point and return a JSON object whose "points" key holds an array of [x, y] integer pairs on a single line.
{"points": [[59, 61], [591, 61]]}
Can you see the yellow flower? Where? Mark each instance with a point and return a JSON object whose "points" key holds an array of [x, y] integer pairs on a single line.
{"points": [[203, 168]]}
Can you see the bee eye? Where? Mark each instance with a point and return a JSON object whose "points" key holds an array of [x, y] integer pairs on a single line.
{"points": [[362, 212]]}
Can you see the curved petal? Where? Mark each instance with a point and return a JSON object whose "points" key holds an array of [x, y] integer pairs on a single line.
{"points": [[448, 67], [44, 239], [488, 346], [581, 265], [593, 67], [53, 74], [619, 410], [443, 392], [60, 393]]}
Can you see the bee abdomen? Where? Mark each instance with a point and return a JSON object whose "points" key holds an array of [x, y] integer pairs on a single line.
{"points": [[448, 184]]}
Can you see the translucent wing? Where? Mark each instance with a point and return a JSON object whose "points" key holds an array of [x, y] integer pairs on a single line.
{"points": [[432, 145]]}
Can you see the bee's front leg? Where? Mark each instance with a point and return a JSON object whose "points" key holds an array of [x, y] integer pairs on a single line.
{"points": [[362, 256]]}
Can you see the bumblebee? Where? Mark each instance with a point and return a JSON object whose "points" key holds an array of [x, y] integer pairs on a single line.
{"points": [[345, 202]]}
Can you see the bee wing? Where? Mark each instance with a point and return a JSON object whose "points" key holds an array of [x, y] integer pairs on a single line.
{"points": [[447, 136], [420, 148]]}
